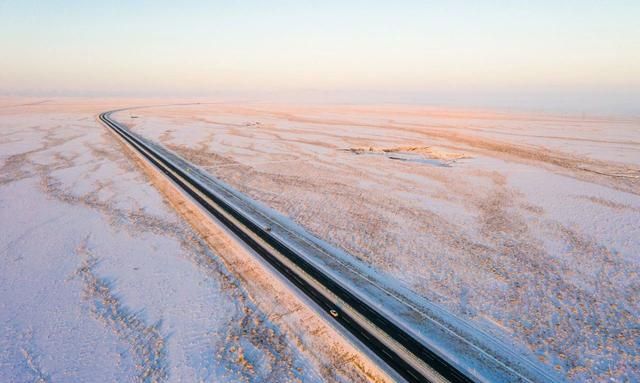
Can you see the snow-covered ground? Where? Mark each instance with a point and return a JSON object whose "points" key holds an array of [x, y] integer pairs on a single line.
{"points": [[102, 281], [528, 226]]}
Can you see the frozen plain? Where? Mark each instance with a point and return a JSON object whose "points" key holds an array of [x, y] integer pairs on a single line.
{"points": [[526, 225], [102, 281]]}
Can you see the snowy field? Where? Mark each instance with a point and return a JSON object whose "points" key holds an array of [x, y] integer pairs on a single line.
{"points": [[101, 281], [528, 226]]}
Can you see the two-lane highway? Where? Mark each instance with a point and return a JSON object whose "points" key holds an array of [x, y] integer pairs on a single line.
{"points": [[289, 255], [408, 357]]}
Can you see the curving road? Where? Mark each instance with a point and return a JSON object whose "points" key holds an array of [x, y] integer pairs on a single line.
{"points": [[402, 352]]}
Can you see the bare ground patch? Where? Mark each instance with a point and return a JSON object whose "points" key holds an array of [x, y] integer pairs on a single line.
{"points": [[409, 153]]}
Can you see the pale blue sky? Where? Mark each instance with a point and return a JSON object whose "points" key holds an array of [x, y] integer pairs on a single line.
{"points": [[411, 47]]}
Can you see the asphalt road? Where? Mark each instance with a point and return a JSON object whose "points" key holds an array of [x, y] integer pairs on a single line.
{"points": [[399, 350]]}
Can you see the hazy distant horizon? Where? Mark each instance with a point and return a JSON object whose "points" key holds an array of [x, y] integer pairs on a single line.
{"points": [[571, 56], [621, 104]]}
